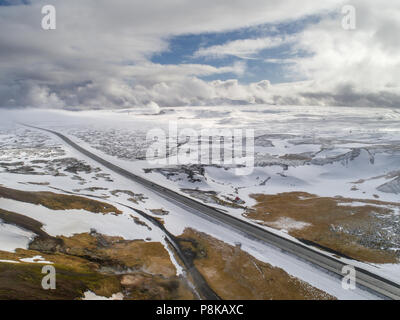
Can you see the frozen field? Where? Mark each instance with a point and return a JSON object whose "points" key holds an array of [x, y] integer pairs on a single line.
{"points": [[352, 153]]}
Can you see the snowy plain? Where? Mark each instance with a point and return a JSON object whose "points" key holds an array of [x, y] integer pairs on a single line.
{"points": [[326, 136]]}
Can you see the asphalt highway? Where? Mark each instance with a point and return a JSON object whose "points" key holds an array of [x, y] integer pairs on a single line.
{"points": [[365, 278]]}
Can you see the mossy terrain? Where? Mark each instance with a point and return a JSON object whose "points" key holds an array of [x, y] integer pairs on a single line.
{"points": [[85, 262], [97, 263], [234, 274], [56, 201], [150, 257], [74, 276], [361, 229]]}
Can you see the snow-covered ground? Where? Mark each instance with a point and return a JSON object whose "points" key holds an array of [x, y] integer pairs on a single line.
{"points": [[323, 151], [12, 237]]}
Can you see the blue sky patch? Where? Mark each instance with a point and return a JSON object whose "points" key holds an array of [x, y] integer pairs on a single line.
{"points": [[260, 67]]}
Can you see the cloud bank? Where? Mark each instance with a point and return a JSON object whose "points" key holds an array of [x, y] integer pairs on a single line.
{"points": [[100, 54]]}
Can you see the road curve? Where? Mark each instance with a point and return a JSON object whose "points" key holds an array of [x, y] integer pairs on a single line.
{"points": [[364, 277], [202, 288]]}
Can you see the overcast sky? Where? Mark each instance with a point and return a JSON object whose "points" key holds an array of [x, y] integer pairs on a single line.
{"points": [[126, 53]]}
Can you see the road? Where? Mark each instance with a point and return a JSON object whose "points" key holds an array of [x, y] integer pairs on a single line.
{"points": [[204, 291], [364, 277]]}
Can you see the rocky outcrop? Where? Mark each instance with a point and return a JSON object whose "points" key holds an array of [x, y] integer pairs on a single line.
{"points": [[391, 186]]}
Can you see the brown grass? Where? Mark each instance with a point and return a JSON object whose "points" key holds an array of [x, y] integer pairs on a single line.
{"points": [[81, 265], [84, 262], [234, 274], [74, 276], [57, 201], [322, 213], [150, 257]]}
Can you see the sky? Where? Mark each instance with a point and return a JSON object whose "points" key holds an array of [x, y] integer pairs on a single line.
{"points": [[127, 53]]}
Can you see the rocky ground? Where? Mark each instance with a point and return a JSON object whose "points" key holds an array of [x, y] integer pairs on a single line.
{"points": [[365, 230]]}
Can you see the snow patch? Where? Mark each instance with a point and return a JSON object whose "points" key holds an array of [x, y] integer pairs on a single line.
{"points": [[289, 224], [89, 295]]}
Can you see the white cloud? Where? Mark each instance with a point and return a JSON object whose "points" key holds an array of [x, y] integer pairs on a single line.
{"points": [[281, 60], [353, 67], [245, 49], [194, 91], [99, 56]]}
